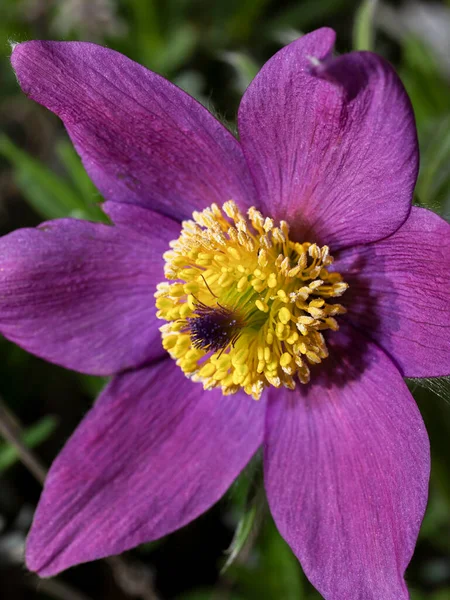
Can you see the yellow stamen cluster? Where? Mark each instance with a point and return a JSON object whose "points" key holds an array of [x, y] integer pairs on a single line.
{"points": [[270, 294]]}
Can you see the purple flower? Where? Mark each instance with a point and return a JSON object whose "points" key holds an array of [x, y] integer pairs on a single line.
{"points": [[327, 152]]}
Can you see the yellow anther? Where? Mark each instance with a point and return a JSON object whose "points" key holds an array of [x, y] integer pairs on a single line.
{"points": [[240, 356], [242, 283], [282, 296], [302, 347], [218, 375], [187, 274], [190, 288], [256, 389], [331, 323], [304, 292], [262, 306], [230, 209], [223, 362], [279, 329], [298, 360], [285, 265], [284, 228], [272, 280], [315, 312], [175, 290], [317, 303], [265, 297], [242, 369], [268, 224], [191, 302], [312, 356], [273, 379], [184, 341], [339, 288], [302, 260], [303, 329], [284, 315], [216, 210], [192, 354], [238, 378], [170, 341], [256, 218], [278, 236], [258, 285], [303, 320], [265, 242], [162, 302], [285, 359], [292, 338], [178, 261], [262, 258], [233, 252], [207, 370], [225, 280], [185, 310], [293, 272]]}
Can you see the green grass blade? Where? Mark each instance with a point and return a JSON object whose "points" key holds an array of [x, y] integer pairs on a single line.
{"points": [[33, 436], [364, 29], [244, 66], [47, 193], [88, 193]]}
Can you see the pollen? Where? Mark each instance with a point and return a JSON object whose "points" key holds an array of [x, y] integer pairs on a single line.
{"points": [[245, 306]]}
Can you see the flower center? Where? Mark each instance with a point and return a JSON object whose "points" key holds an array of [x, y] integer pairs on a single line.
{"points": [[247, 305]]}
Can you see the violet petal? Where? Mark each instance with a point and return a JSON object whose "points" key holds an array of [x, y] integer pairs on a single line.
{"points": [[399, 293], [80, 294], [139, 219], [331, 142], [155, 452], [142, 140], [346, 468]]}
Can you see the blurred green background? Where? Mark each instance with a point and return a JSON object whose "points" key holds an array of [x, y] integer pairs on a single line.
{"points": [[212, 49]]}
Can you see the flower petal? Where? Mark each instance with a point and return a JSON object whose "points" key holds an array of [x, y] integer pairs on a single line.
{"points": [[399, 293], [155, 452], [80, 294], [137, 218], [331, 142], [142, 140], [346, 468]]}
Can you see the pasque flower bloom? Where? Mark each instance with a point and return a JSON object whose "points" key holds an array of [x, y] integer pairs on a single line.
{"points": [[327, 157]]}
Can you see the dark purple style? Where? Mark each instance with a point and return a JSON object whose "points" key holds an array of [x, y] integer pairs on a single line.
{"points": [[213, 329], [329, 145]]}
